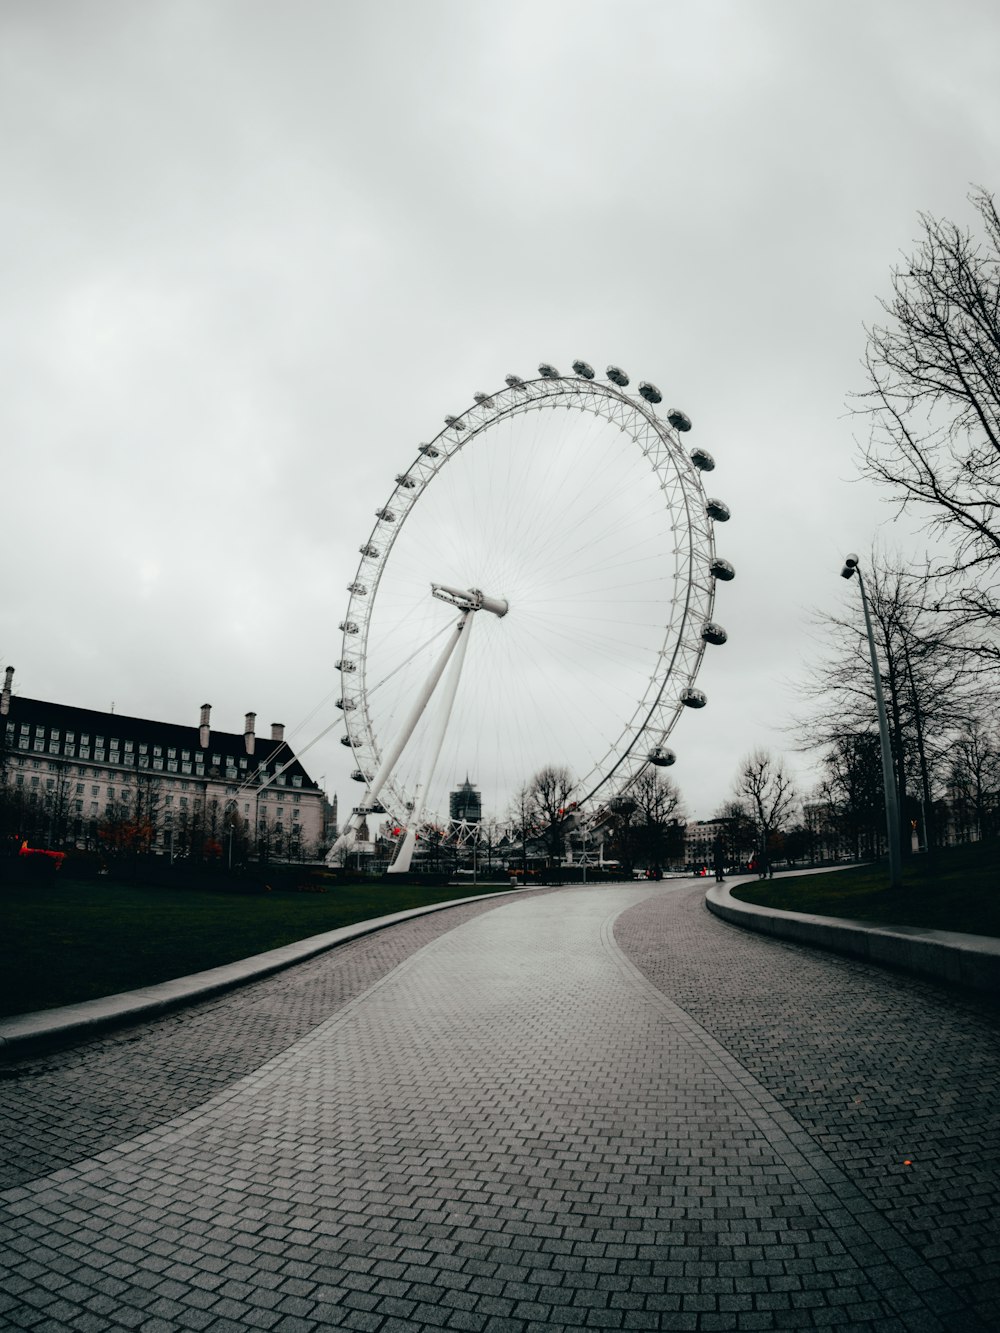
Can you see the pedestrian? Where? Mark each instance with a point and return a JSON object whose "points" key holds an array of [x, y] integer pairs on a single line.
{"points": [[718, 861]]}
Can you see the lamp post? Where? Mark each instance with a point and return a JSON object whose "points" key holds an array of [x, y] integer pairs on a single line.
{"points": [[851, 567]]}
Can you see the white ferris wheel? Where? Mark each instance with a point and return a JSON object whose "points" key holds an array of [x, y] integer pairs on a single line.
{"points": [[566, 524]]}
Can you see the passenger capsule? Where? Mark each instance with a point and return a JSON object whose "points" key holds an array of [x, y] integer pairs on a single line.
{"points": [[429, 451], [617, 376], [585, 371], [405, 481], [722, 569], [348, 627], [369, 551], [713, 633], [345, 664], [386, 515], [678, 419], [718, 510], [455, 422], [702, 460], [693, 698], [514, 381], [661, 756], [358, 589], [650, 392], [359, 776], [483, 399], [347, 705], [345, 740], [548, 372]]}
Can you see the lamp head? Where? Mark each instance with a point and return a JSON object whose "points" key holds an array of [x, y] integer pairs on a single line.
{"points": [[850, 565]]}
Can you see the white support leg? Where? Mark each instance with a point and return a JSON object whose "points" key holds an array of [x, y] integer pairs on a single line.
{"points": [[346, 839], [404, 852]]}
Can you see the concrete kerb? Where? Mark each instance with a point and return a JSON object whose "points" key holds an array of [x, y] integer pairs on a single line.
{"points": [[23, 1033], [969, 961]]}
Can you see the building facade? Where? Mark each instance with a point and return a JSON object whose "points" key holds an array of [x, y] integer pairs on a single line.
{"points": [[169, 788]]}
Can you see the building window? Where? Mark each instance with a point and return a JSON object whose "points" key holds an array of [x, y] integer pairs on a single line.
{"points": [[216, 760], [113, 744], [23, 742], [55, 735], [95, 790], [84, 751], [168, 800], [99, 740], [158, 764], [157, 751], [39, 743], [143, 749], [71, 738], [99, 756], [128, 747], [186, 755], [84, 739], [185, 768], [36, 782], [70, 751], [79, 789], [171, 765], [297, 780], [171, 754]]}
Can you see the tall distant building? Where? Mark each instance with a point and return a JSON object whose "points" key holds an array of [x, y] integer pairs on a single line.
{"points": [[466, 803]]}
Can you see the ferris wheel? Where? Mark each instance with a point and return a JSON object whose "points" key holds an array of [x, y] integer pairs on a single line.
{"points": [[567, 525]]}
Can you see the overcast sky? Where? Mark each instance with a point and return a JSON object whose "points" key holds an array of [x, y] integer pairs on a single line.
{"points": [[252, 253]]}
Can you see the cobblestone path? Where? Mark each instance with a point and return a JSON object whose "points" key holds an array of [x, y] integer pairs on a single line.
{"points": [[593, 1108]]}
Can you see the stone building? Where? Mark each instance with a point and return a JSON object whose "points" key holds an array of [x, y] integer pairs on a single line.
{"points": [[189, 786]]}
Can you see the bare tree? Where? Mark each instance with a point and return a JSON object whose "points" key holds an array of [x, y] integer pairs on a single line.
{"points": [[974, 779], [549, 797], [925, 680], [933, 407], [659, 818], [767, 790]]}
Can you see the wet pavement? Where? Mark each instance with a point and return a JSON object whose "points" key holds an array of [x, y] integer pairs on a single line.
{"points": [[596, 1107]]}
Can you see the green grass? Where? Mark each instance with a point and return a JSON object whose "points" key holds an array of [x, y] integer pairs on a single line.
{"points": [[957, 889], [66, 940]]}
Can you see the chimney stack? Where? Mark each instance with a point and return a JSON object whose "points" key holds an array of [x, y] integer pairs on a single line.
{"points": [[277, 731], [5, 696], [206, 710], [248, 736]]}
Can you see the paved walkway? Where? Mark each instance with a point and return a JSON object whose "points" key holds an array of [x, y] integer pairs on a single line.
{"points": [[590, 1108]]}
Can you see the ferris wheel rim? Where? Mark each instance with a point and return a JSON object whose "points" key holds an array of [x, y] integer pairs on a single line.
{"points": [[654, 713]]}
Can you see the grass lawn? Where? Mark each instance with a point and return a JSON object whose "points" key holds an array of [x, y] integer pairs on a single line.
{"points": [[959, 889], [65, 940]]}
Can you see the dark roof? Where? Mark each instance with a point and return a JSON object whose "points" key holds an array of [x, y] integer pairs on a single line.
{"points": [[140, 730]]}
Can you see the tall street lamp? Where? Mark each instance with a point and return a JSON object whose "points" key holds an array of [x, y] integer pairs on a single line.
{"points": [[851, 566]]}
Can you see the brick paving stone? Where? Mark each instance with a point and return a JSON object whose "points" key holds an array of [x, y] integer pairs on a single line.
{"points": [[521, 1115], [876, 1068]]}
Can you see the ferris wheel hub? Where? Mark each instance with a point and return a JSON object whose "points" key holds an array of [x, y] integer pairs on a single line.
{"points": [[470, 599]]}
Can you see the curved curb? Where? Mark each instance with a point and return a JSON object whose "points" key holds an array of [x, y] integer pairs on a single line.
{"points": [[970, 961], [23, 1033]]}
